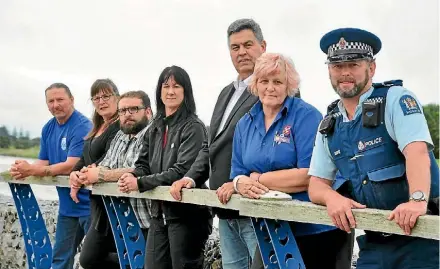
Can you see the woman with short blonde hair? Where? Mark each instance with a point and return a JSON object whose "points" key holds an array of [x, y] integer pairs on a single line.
{"points": [[272, 149]]}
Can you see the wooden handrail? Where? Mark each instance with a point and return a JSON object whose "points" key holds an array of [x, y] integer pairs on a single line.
{"points": [[367, 219]]}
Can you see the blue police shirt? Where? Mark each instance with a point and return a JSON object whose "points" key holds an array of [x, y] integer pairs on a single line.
{"points": [[58, 142], [287, 144], [404, 121]]}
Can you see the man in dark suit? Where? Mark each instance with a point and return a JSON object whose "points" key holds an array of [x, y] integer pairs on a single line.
{"points": [[237, 238]]}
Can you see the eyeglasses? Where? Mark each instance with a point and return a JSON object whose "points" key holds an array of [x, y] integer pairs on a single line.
{"points": [[104, 98], [131, 110]]}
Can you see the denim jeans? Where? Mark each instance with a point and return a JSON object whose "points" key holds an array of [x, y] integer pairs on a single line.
{"points": [[237, 243], [69, 233]]}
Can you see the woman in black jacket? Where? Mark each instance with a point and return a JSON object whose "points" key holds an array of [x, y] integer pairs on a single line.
{"points": [[178, 232], [99, 241]]}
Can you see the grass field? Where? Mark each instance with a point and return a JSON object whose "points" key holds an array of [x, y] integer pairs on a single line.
{"points": [[25, 153]]}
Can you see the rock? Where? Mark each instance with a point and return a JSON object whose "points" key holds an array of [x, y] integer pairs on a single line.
{"points": [[212, 251], [12, 253]]}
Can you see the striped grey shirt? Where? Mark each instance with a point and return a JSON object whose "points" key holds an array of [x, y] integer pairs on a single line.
{"points": [[123, 153]]}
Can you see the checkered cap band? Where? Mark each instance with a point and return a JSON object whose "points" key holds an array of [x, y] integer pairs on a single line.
{"points": [[350, 48]]}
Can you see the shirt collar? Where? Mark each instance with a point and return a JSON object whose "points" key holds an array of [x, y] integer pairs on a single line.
{"points": [[244, 83], [362, 98]]}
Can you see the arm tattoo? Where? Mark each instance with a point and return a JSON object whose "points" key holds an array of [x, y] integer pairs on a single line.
{"points": [[115, 174]]}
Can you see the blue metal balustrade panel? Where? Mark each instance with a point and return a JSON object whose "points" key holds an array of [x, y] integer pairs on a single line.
{"points": [[131, 232], [23, 223], [284, 244], [265, 244], [36, 237], [117, 232]]}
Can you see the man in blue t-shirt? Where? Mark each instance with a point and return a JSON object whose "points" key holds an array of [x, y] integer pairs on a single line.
{"points": [[61, 147]]}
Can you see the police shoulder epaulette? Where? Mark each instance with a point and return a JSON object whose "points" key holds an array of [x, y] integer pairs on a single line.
{"points": [[388, 83]]}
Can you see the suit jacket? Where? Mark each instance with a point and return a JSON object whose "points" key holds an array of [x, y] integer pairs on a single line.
{"points": [[214, 160]]}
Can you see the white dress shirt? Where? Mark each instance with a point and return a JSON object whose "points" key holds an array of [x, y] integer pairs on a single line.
{"points": [[240, 87]]}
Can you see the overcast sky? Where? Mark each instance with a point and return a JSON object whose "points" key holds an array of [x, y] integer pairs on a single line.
{"points": [[76, 42]]}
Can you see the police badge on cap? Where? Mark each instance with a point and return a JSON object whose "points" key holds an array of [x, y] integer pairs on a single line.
{"points": [[349, 44]]}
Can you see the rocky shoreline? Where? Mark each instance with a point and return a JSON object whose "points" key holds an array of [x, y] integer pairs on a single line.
{"points": [[12, 254]]}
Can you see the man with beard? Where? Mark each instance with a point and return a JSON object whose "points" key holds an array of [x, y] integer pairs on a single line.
{"points": [[134, 109], [377, 137]]}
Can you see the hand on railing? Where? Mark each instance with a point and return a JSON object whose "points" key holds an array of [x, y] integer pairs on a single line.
{"points": [[20, 169], [89, 174], [75, 184], [339, 210], [77, 179], [250, 188], [406, 214], [128, 183], [225, 192], [177, 186]]}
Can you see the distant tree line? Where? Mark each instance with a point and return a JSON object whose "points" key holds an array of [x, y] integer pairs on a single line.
{"points": [[17, 139], [432, 117]]}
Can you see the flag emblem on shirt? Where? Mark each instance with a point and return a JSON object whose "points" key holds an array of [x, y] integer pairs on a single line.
{"points": [[284, 137], [286, 131]]}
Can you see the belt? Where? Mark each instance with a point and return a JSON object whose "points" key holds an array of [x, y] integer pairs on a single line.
{"points": [[379, 236]]}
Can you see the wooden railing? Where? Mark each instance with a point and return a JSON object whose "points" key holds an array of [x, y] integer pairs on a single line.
{"points": [[367, 219]]}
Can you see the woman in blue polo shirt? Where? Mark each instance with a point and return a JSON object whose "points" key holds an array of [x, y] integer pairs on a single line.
{"points": [[273, 145]]}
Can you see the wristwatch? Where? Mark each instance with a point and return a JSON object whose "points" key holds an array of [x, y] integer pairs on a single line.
{"points": [[418, 196]]}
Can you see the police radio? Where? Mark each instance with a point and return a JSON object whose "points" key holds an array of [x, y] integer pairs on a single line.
{"points": [[327, 125]]}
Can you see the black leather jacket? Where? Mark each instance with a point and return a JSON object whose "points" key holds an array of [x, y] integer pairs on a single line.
{"points": [[163, 162]]}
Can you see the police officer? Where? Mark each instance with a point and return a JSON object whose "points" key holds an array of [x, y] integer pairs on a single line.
{"points": [[377, 137]]}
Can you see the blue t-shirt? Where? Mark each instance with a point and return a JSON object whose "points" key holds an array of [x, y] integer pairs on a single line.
{"points": [[287, 144], [58, 142]]}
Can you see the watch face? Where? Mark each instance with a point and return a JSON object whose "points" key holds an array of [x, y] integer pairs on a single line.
{"points": [[417, 195]]}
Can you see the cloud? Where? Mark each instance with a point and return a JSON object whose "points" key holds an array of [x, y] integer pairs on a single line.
{"points": [[132, 41]]}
